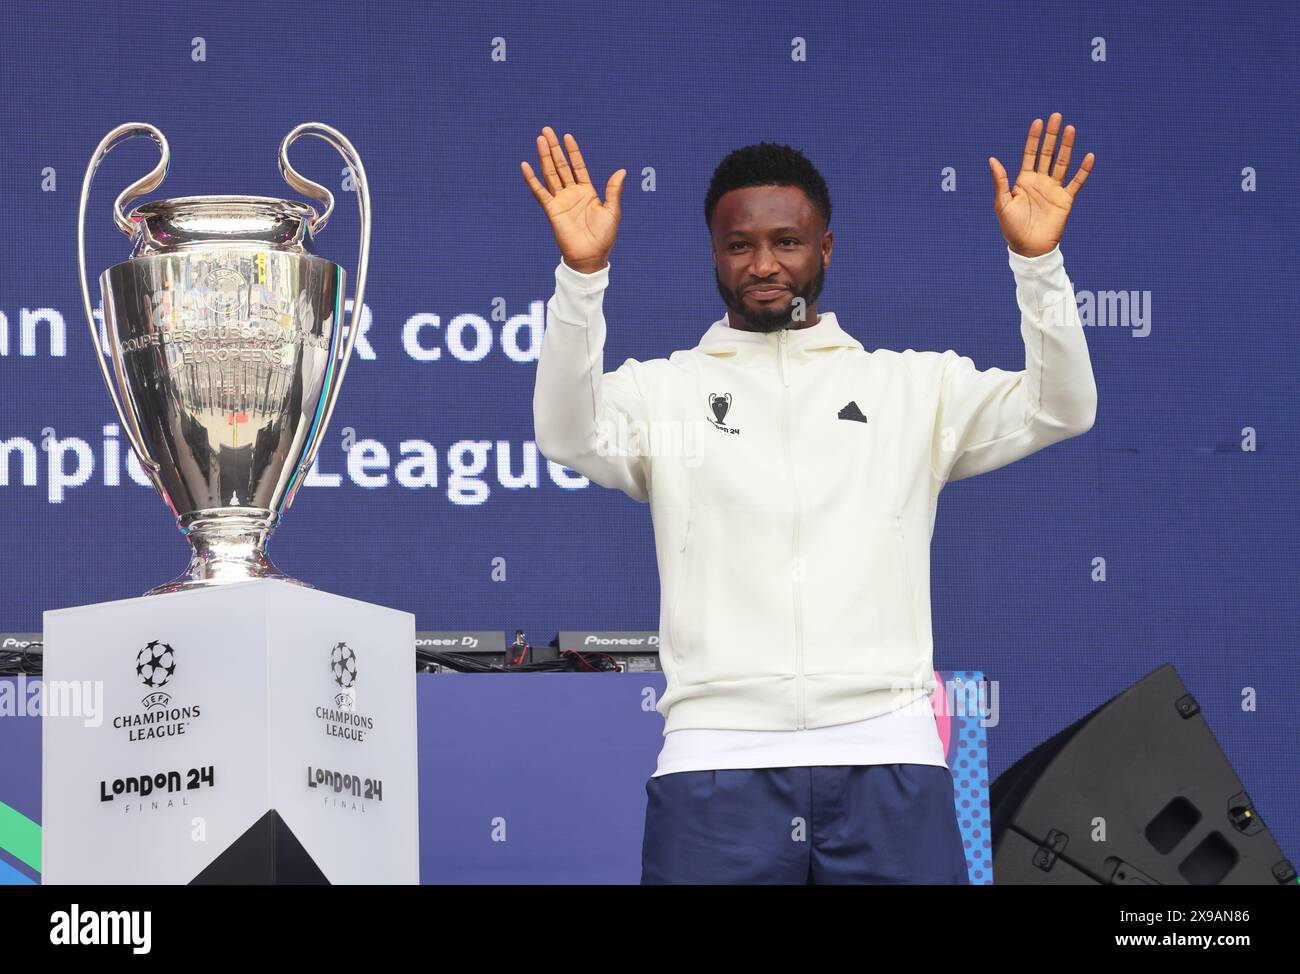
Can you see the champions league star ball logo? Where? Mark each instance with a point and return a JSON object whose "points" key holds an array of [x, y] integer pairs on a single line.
{"points": [[343, 664], [344, 722], [155, 664]]}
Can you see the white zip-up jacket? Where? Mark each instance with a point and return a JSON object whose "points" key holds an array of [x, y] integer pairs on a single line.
{"points": [[793, 480]]}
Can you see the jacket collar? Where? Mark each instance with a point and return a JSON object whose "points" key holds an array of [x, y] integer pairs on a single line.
{"points": [[722, 339]]}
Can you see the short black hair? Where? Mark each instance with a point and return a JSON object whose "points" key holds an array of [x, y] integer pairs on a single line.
{"points": [[767, 164]]}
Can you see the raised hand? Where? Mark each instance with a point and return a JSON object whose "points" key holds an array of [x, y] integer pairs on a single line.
{"points": [[584, 227], [1033, 215]]}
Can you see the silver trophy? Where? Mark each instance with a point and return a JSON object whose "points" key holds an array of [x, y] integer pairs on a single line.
{"points": [[226, 352]]}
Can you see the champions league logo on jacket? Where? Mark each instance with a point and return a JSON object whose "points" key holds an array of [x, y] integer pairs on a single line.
{"points": [[720, 405], [344, 721], [155, 665]]}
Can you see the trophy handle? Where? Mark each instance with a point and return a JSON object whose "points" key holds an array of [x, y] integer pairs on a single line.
{"points": [[141, 186], [315, 225]]}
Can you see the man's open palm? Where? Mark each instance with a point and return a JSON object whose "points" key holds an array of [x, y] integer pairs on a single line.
{"points": [[584, 227], [1032, 216]]}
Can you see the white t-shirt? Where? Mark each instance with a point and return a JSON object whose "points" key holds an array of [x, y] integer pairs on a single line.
{"points": [[907, 735]]}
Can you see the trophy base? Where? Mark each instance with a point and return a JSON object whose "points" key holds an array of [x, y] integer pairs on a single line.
{"points": [[225, 711], [229, 546]]}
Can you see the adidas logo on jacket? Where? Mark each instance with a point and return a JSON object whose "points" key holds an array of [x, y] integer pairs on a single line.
{"points": [[793, 480]]}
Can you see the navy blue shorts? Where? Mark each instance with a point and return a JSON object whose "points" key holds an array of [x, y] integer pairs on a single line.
{"points": [[870, 823]]}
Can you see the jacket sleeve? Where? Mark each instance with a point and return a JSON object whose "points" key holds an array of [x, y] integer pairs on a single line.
{"points": [[987, 419], [590, 422]]}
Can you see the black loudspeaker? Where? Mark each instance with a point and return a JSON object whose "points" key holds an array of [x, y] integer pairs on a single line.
{"points": [[1137, 792]]}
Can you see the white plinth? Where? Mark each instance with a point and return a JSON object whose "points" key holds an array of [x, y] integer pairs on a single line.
{"points": [[232, 742]]}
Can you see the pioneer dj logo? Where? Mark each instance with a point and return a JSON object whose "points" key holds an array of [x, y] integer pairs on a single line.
{"points": [[720, 406]]}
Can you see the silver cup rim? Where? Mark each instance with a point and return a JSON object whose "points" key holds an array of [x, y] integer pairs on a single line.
{"points": [[182, 204]]}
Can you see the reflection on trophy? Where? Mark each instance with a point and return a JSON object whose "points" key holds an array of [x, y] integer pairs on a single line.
{"points": [[226, 348]]}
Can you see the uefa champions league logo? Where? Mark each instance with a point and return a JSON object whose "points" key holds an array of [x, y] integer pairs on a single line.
{"points": [[343, 664], [343, 667], [343, 720], [155, 664]]}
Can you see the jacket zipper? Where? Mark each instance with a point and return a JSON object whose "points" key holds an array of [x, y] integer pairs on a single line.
{"points": [[784, 366]]}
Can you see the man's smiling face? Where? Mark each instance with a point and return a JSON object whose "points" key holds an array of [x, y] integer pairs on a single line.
{"points": [[770, 246]]}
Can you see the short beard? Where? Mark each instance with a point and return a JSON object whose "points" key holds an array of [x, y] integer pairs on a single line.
{"points": [[767, 321]]}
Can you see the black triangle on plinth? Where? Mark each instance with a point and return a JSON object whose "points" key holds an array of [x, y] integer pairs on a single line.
{"points": [[268, 854]]}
